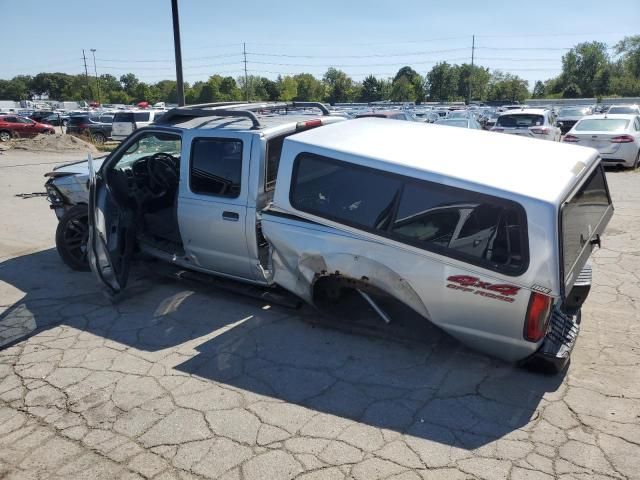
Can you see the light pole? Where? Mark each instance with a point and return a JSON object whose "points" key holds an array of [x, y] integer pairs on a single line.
{"points": [[178, 51], [93, 51]]}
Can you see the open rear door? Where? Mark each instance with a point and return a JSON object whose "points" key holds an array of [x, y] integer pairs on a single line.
{"points": [[111, 234]]}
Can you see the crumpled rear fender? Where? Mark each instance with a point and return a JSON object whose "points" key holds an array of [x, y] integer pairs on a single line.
{"points": [[298, 272]]}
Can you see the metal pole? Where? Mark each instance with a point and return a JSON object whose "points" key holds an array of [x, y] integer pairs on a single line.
{"points": [[93, 51], [246, 81], [176, 45], [86, 72], [473, 49]]}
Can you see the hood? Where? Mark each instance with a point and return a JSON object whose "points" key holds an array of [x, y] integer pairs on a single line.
{"points": [[81, 167]]}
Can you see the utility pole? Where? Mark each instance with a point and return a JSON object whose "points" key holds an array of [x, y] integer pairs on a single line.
{"points": [[473, 49], [86, 72], [178, 52], [246, 77], [93, 51]]}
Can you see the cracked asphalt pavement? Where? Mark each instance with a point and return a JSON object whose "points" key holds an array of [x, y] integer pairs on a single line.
{"points": [[179, 381]]}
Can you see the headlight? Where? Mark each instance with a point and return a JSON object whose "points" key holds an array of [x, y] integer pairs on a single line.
{"points": [[53, 195]]}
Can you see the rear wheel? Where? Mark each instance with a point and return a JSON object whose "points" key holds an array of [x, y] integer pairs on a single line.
{"points": [[5, 136], [72, 236], [99, 137], [636, 164]]}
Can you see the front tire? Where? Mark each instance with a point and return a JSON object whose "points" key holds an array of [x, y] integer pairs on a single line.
{"points": [[5, 136], [72, 236], [99, 138]]}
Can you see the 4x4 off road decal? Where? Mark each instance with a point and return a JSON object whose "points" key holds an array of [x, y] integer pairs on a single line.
{"points": [[497, 291]]}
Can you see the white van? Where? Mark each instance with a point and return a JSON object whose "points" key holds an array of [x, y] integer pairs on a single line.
{"points": [[126, 122]]}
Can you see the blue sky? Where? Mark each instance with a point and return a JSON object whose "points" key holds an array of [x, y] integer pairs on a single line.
{"points": [[282, 37]]}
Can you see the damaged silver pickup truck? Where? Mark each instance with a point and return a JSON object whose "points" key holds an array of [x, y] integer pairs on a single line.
{"points": [[487, 236]]}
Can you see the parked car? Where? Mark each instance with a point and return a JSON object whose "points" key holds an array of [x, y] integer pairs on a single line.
{"points": [[488, 119], [624, 109], [17, 126], [464, 122], [616, 137], [38, 115], [351, 207], [427, 116], [98, 127], [459, 114], [126, 122], [56, 119], [531, 122], [391, 114], [567, 117]]}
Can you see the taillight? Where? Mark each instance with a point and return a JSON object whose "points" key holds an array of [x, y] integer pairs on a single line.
{"points": [[309, 124], [540, 130], [622, 139], [570, 139], [133, 125], [538, 312]]}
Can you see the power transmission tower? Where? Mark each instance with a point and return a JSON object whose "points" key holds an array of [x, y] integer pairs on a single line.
{"points": [[86, 72], [246, 77], [473, 49]]}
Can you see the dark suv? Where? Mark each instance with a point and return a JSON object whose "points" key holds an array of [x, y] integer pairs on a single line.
{"points": [[98, 127]]}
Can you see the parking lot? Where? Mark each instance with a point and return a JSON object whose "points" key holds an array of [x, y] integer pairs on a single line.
{"points": [[183, 381]]}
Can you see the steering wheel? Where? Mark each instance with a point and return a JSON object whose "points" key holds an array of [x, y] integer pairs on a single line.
{"points": [[163, 175]]}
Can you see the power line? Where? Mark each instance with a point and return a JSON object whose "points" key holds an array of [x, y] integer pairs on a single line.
{"points": [[377, 55]]}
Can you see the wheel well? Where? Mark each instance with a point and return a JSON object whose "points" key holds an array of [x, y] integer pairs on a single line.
{"points": [[330, 288]]}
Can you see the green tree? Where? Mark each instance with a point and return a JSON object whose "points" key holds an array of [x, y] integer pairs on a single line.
{"points": [[129, 83], [118, 97], [338, 85], [310, 89], [288, 88], [229, 90], [507, 87], [582, 65], [417, 90], [402, 90], [370, 90], [538, 90], [629, 50], [442, 82]]}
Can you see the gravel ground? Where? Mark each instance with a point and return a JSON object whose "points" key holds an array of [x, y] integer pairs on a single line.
{"points": [[178, 381]]}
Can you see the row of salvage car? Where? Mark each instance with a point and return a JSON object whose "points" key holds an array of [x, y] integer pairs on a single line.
{"points": [[487, 236]]}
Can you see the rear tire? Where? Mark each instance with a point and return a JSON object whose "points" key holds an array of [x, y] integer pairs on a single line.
{"points": [[72, 235], [99, 138], [636, 164]]}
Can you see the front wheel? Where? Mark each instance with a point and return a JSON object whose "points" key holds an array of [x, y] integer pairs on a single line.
{"points": [[72, 236], [5, 136], [99, 137]]}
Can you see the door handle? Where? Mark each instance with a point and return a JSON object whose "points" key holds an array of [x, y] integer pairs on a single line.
{"points": [[231, 216]]}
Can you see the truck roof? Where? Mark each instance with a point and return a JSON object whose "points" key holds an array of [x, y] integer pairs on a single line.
{"points": [[534, 168]]}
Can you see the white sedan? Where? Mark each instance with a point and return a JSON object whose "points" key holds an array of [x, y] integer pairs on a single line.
{"points": [[616, 137]]}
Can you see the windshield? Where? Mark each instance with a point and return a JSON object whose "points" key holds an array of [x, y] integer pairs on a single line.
{"points": [[631, 110], [602, 125], [150, 144], [572, 112], [520, 120], [453, 123]]}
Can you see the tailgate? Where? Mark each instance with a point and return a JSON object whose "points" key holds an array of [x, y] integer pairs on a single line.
{"points": [[121, 128], [583, 218]]}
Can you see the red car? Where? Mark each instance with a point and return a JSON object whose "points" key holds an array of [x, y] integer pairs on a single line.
{"points": [[17, 126]]}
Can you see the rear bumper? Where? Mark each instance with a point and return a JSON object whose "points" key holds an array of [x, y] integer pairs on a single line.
{"points": [[559, 341]]}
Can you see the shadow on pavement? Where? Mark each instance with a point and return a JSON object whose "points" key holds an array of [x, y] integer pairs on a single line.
{"points": [[428, 386]]}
